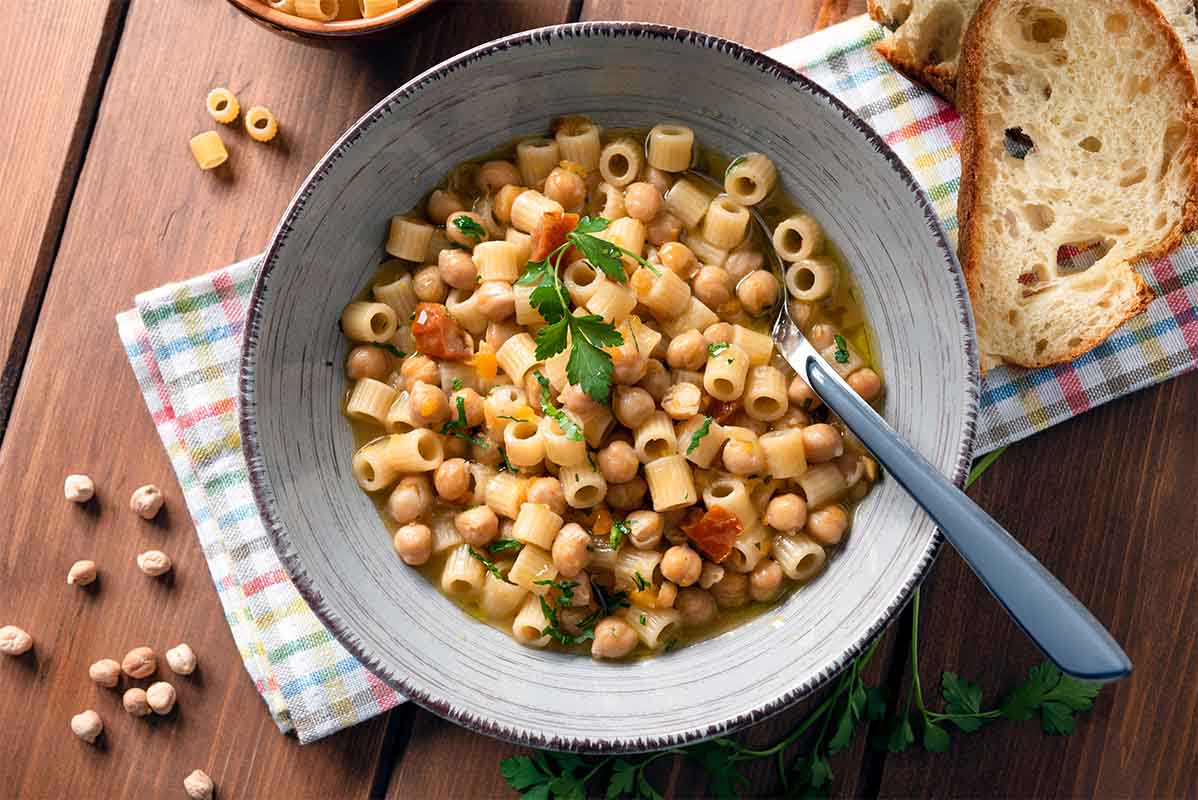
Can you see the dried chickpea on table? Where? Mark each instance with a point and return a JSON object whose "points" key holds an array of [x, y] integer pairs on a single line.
{"points": [[568, 408]]}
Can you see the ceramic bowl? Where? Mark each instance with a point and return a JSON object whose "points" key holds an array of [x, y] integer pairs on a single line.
{"points": [[327, 248], [328, 32]]}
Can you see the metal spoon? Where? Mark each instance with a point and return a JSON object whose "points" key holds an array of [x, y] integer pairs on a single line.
{"points": [[1048, 613]]}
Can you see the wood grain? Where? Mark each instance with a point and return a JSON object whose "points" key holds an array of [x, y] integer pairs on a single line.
{"points": [[50, 95], [142, 215]]}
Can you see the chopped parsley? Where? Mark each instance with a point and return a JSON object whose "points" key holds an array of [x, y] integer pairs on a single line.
{"points": [[642, 619], [641, 583], [503, 545], [565, 587], [513, 419], [619, 529], [607, 604], [459, 427], [469, 228], [842, 350], [569, 427], [505, 465], [553, 629], [698, 435], [488, 565], [456, 384], [715, 348], [390, 348]]}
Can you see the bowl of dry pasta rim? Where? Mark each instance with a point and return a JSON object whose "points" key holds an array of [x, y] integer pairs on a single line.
{"points": [[327, 248], [331, 20]]}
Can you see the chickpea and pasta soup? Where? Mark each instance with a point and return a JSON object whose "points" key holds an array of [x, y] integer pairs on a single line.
{"points": [[567, 403]]}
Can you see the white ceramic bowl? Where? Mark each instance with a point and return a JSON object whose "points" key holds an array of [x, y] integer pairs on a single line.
{"points": [[327, 247]]}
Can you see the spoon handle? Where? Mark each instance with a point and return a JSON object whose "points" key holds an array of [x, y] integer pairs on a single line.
{"points": [[1047, 612]]}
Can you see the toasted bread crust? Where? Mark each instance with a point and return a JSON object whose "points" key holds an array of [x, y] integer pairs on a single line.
{"points": [[941, 78]]}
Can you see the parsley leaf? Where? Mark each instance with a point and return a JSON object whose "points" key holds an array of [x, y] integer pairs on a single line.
{"points": [[1055, 695], [503, 545], [588, 365], [842, 350], [698, 435], [553, 630], [390, 348], [715, 348], [551, 339], [602, 254], [569, 427], [591, 225], [619, 529], [565, 587], [469, 228], [964, 701], [488, 565]]}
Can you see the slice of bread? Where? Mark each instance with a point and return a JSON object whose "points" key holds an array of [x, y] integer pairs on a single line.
{"points": [[1081, 133], [925, 38]]}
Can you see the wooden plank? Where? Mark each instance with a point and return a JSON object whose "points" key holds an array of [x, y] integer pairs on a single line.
{"points": [[1107, 503], [143, 214], [50, 94]]}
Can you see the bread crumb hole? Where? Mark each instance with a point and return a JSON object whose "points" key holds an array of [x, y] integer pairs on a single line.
{"points": [[1117, 24], [1074, 342], [1041, 346], [1162, 220], [1042, 25], [940, 36], [1133, 178], [1175, 134], [1074, 258], [1017, 143], [1090, 144], [1038, 217], [1013, 317]]}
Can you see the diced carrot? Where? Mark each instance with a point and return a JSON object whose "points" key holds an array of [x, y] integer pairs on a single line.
{"points": [[485, 364], [715, 532], [602, 524], [645, 598]]}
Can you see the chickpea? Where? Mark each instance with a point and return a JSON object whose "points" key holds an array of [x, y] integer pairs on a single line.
{"points": [[786, 513], [656, 380], [662, 229], [410, 499], [682, 401], [79, 488], [677, 257], [822, 442], [570, 554], [502, 207], [644, 529], [765, 582], [732, 591], [711, 575], [618, 462], [428, 286], [687, 350], [146, 501], [793, 418], [442, 203], [547, 491], [574, 399], [135, 702], [472, 405], [757, 292], [743, 458], [419, 368], [681, 565], [161, 697], [827, 525], [181, 659], [499, 332], [628, 495], [667, 593], [105, 672], [822, 336], [81, 573], [454, 447], [452, 479], [430, 406], [458, 236], [696, 607], [717, 332], [866, 383], [802, 396], [742, 261], [642, 201], [140, 662], [154, 563], [496, 300], [614, 638], [566, 187], [632, 405], [628, 367], [662, 181], [198, 785], [87, 725], [478, 526], [711, 286], [365, 361], [414, 543], [494, 175], [457, 269]]}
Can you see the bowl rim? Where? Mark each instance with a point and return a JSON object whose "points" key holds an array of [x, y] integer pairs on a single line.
{"points": [[280, 538], [333, 29]]}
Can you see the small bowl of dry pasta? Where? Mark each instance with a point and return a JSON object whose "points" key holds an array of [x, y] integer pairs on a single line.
{"points": [[330, 20], [513, 416]]}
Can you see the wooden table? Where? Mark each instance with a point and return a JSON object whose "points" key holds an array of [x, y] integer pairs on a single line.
{"points": [[103, 201]]}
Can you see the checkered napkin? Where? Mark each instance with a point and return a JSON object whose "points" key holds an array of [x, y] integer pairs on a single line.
{"points": [[183, 342]]}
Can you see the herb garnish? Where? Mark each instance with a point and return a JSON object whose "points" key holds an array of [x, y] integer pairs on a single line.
{"points": [[565, 587], [456, 384], [488, 565], [458, 427], [513, 419], [503, 545], [642, 619], [390, 348], [469, 228], [715, 348], [587, 626], [505, 465], [641, 583], [607, 604], [842, 350], [698, 435], [569, 427], [619, 529]]}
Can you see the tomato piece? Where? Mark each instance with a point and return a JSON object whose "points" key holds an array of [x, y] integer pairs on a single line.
{"points": [[721, 412], [550, 233], [715, 532], [437, 334]]}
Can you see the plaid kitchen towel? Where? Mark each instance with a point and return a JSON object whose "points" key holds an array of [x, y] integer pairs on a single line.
{"points": [[183, 341]]}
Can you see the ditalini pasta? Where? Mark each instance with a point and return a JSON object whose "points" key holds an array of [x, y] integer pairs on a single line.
{"points": [[222, 105], [260, 124], [208, 149], [576, 424]]}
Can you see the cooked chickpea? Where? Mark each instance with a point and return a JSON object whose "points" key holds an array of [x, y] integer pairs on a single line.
{"points": [[757, 292], [79, 488], [81, 573], [682, 401], [494, 175], [135, 702], [628, 495], [154, 563], [656, 380], [866, 383], [627, 367], [472, 405], [452, 479], [442, 203], [687, 350], [365, 361], [454, 447], [574, 399], [614, 638], [681, 565], [504, 198], [765, 582], [419, 368], [660, 180], [87, 725], [161, 697], [696, 607], [732, 591], [410, 499], [456, 235], [793, 418], [717, 332], [677, 257], [642, 201], [667, 593], [786, 513], [105, 672], [496, 300], [140, 662], [146, 501], [644, 529], [457, 269], [742, 261], [566, 187], [822, 442], [711, 575], [662, 229], [822, 336], [570, 554], [413, 543], [430, 406], [499, 332], [632, 405], [428, 286], [478, 526], [710, 285], [198, 786], [802, 396], [743, 458], [181, 659], [827, 525], [547, 491], [618, 462]]}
